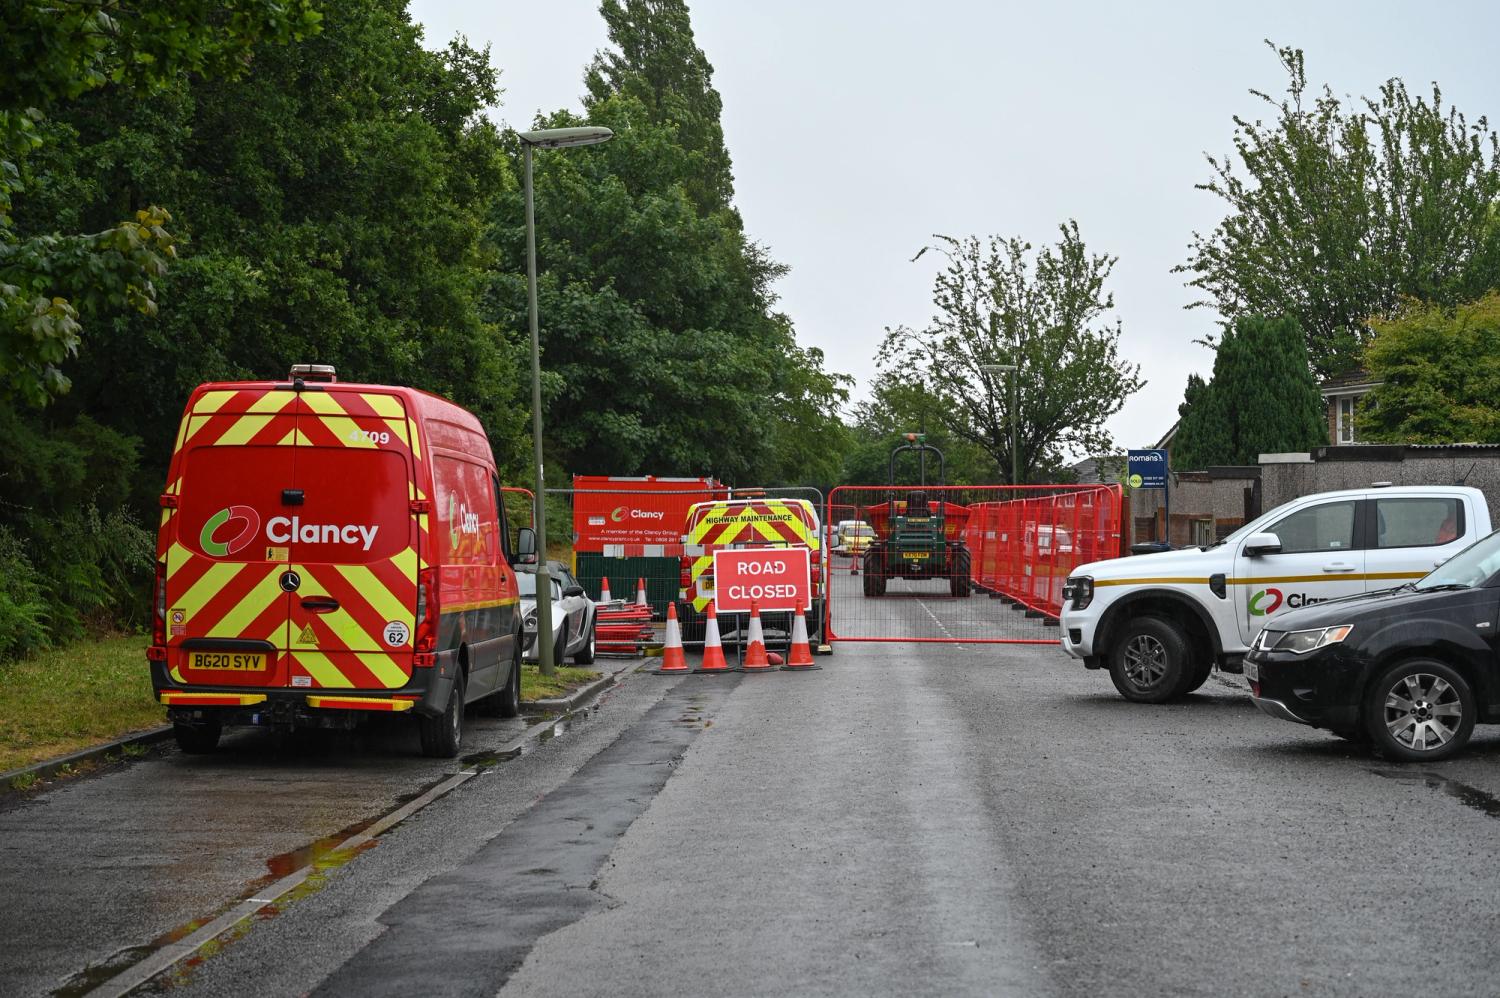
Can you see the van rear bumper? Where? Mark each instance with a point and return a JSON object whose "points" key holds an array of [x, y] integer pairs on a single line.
{"points": [[428, 693]]}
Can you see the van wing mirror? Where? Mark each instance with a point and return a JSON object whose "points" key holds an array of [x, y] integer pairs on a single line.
{"points": [[526, 546], [573, 591], [1259, 544]]}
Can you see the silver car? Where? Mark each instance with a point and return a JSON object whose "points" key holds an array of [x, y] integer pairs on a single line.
{"points": [[573, 623]]}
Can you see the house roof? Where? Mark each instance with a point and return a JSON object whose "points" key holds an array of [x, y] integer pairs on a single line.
{"points": [[1350, 380]]}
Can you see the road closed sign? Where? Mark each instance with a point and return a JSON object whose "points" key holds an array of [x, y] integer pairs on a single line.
{"points": [[775, 578]]}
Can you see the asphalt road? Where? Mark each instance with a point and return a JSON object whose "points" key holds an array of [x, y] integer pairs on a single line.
{"points": [[931, 820], [924, 608]]}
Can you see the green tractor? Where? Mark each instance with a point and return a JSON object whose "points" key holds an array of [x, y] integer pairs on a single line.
{"points": [[917, 537]]}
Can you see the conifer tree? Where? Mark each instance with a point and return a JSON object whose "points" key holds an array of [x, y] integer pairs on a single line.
{"points": [[1262, 399]]}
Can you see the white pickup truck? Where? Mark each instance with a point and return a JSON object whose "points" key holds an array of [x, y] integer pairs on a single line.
{"points": [[1161, 622]]}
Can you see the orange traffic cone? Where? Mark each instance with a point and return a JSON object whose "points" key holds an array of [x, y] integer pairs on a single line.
{"points": [[604, 596], [640, 591], [755, 650], [799, 659], [672, 658], [713, 648]]}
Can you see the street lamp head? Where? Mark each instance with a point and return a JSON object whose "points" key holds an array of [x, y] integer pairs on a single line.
{"points": [[560, 138], [998, 368]]}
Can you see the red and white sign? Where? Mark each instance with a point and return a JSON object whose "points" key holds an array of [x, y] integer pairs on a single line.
{"points": [[775, 578]]}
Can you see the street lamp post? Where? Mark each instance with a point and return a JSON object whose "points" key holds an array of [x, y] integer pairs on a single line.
{"points": [[549, 138]]}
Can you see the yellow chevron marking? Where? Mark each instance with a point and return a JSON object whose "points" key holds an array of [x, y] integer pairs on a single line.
{"points": [[272, 402], [375, 593], [212, 402], [243, 429], [195, 423], [182, 432], [388, 406], [322, 669], [177, 556], [166, 515], [346, 432], [295, 438], [323, 403], [215, 579], [405, 562], [176, 674], [349, 632], [385, 669], [255, 603]]}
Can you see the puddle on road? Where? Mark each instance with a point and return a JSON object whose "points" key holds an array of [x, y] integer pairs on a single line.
{"points": [[1470, 797]]}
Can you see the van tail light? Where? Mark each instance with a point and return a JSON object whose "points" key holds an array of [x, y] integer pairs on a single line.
{"points": [[427, 612], [685, 576], [159, 606]]}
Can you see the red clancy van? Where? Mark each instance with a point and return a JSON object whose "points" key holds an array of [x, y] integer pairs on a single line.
{"points": [[327, 550]]}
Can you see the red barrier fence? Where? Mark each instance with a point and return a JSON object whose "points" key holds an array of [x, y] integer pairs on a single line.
{"points": [[994, 574], [1026, 548]]}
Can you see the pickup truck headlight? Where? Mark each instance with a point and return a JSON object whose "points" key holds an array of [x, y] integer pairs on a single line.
{"points": [[1302, 642], [528, 622], [1079, 590]]}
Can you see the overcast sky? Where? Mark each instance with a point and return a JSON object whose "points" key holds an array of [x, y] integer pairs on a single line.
{"points": [[860, 127]]}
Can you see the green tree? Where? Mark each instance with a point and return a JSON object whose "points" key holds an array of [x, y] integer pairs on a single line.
{"points": [[1262, 399], [998, 303], [657, 62], [50, 282], [1338, 213], [332, 204], [1439, 375], [663, 349]]}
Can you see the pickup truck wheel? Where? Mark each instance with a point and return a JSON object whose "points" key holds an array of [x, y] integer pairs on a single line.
{"points": [[197, 739], [1198, 675], [1149, 660], [442, 735], [1419, 711]]}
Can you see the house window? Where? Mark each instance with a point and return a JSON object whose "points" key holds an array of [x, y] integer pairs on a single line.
{"points": [[1346, 419]]}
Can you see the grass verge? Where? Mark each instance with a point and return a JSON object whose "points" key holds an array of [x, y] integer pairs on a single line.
{"points": [[535, 686], [72, 698]]}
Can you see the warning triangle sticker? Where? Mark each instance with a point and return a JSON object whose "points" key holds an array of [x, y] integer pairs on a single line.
{"points": [[307, 637]]}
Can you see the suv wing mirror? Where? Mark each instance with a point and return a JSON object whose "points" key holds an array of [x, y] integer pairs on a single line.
{"points": [[526, 546], [1259, 544], [573, 591]]}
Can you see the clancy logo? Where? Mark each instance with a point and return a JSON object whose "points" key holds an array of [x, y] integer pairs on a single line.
{"points": [[620, 512], [1274, 595], [247, 532]]}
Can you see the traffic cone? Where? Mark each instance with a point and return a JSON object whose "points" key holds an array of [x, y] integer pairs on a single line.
{"points": [[713, 648], [604, 596], [755, 650], [640, 591], [799, 659], [673, 661]]}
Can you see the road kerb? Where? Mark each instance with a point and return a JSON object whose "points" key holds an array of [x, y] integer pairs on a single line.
{"points": [[98, 753]]}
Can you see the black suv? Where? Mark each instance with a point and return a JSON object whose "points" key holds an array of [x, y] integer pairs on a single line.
{"points": [[1411, 669]]}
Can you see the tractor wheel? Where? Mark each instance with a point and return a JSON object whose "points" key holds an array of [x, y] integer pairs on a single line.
{"points": [[874, 574], [960, 577]]}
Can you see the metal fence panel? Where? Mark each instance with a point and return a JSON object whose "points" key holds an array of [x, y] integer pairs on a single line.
{"points": [[963, 563]]}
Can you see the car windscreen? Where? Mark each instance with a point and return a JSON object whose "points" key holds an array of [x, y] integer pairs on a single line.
{"points": [[1473, 566]]}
